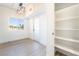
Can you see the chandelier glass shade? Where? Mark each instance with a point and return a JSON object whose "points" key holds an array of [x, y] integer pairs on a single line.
{"points": [[21, 9]]}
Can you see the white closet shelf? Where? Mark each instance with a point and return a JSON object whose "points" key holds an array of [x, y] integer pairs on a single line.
{"points": [[65, 29], [66, 39], [69, 18], [66, 8], [67, 50]]}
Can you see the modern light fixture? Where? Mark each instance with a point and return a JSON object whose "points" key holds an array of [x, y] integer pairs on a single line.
{"points": [[21, 9]]}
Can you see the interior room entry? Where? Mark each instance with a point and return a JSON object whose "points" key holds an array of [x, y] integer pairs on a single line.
{"points": [[36, 28]]}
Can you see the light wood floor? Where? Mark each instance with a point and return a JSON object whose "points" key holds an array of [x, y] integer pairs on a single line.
{"points": [[24, 47]]}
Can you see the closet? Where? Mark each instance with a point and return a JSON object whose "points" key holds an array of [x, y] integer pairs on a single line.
{"points": [[67, 29]]}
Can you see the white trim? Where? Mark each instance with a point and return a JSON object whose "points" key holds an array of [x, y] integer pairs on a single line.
{"points": [[66, 39], [67, 49]]}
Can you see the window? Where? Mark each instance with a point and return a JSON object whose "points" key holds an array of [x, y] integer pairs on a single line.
{"points": [[17, 24]]}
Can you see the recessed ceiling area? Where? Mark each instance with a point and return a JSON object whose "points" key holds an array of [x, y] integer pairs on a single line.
{"points": [[15, 6], [59, 6], [12, 5]]}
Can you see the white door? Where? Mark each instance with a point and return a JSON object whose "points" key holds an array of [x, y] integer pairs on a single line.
{"points": [[31, 28], [36, 28], [50, 29]]}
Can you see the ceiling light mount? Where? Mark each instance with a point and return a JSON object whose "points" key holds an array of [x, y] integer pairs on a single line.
{"points": [[20, 4]]}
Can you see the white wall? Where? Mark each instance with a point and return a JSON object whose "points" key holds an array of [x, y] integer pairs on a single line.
{"points": [[5, 33], [42, 32], [41, 35]]}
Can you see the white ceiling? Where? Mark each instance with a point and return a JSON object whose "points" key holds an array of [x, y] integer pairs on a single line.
{"points": [[58, 6], [11, 5]]}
